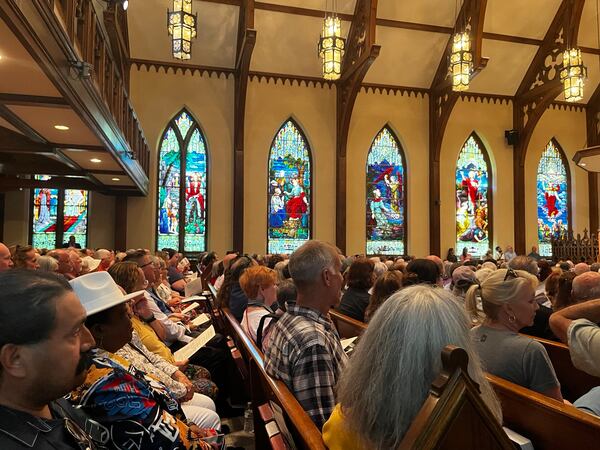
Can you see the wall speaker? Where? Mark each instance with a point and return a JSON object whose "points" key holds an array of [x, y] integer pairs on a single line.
{"points": [[512, 137]]}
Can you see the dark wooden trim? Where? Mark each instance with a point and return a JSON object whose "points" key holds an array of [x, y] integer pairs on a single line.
{"points": [[441, 103], [283, 77], [246, 39], [361, 52], [405, 205], [532, 99], [33, 100], [181, 67], [388, 23], [120, 222], [86, 147], [311, 197], [593, 202], [388, 89], [105, 172]]}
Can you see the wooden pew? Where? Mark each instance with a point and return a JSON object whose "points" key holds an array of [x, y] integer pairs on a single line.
{"points": [[574, 382], [347, 327], [453, 415], [549, 424], [264, 390]]}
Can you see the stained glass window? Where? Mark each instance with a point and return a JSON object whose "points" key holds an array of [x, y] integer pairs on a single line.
{"points": [[289, 190], [386, 193], [46, 215], [182, 196], [472, 199], [552, 197]]}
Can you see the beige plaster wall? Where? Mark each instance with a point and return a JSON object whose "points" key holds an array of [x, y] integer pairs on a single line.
{"points": [[16, 217], [568, 128], [157, 97], [268, 106], [489, 121], [408, 117]]}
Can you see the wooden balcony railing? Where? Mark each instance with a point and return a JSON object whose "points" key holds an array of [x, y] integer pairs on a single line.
{"points": [[86, 32]]}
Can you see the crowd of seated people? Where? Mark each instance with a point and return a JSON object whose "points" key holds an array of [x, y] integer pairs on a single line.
{"points": [[110, 322]]}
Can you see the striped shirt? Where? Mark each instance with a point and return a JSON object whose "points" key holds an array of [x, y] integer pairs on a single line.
{"points": [[306, 354]]}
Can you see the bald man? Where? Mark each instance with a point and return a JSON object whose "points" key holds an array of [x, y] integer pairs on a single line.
{"points": [[5, 259]]}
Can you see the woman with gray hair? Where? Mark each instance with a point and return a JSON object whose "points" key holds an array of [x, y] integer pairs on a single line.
{"points": [[508, 302], [381, 391], [47, 264]]}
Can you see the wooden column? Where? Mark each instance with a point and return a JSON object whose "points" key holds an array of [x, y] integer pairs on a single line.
{"points": [[592, 116], [245, 46], [2, 214], [121, 223], [441, 102], [539, 88], [361, 51]]}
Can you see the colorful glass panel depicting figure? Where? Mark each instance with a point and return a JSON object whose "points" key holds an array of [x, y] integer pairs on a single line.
{"points": [[552, 198], [385, 196], [44, 217], [75, 216], [195, 194], [472, 184], [289, 190], [169, 173]]}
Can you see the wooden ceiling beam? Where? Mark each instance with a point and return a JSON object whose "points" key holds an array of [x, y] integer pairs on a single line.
{"points": [[21, 125], [246, 39], [441, 103], [33, 100], [10, 183], [360, 53], [538, 89]]}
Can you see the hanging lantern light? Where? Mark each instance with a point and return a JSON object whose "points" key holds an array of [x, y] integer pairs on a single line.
{"points": [[573, 75], [181, 24], [331, 47], [461, 61]]}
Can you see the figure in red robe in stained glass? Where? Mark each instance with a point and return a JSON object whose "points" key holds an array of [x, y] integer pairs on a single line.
{"points": [[193, 193], [551, 198], [472, 185], [297, 205]]}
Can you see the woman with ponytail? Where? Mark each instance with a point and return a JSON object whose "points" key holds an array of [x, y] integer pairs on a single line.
{"points": [[508, 302]]}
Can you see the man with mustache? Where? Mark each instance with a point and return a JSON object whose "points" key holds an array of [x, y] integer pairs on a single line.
{"points": [[44, 354]]}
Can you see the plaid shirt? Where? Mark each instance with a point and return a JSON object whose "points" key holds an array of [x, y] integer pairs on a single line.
{"points": [[306, 354]]}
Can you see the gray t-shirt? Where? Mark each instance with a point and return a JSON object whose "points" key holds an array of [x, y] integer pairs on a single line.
{"points": [[515, 358]]}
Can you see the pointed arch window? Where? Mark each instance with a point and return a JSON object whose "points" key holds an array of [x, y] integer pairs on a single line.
{"points": [[553, 200], [182, 186], [50, 207], [289, 190], [473, 198], [386, 196]]}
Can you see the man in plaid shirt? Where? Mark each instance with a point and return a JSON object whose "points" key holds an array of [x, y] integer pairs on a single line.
{"points": [[305, 350]]}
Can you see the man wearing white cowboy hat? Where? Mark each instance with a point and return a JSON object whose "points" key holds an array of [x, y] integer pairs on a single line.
{"points": [[138, 411]]}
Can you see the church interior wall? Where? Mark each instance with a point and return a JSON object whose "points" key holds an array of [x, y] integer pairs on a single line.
{"points": [[157, 97], [488, 120], [408, 117], [16, 217], [568, 128], [268, 106]]}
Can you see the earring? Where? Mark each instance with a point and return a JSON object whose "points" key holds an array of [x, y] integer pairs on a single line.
{"points": [[512, 319]]}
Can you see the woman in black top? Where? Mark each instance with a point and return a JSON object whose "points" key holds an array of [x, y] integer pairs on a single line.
{"points": [[356, 298]]}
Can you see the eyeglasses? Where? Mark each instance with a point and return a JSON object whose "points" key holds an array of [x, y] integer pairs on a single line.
{"points": [[511, 273], [144, 265]]}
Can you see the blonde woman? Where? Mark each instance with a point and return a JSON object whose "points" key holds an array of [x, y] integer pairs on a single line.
{"points": [[381, 391], [508, 302]]}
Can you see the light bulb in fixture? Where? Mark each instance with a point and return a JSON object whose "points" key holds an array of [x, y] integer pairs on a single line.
{"points": [[96, 160], [125, 5], [115, 179], [61, 127]]}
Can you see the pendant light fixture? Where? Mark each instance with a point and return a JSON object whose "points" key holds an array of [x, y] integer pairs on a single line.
{"points": [[461, 57], [573, 73], [181, 24], [331, 44]]}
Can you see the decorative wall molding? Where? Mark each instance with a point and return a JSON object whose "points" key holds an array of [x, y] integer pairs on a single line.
{"points": [[291, 80], [184, 68]]}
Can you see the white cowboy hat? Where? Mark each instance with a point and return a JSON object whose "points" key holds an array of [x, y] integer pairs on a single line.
{"points": [[98, 292]]}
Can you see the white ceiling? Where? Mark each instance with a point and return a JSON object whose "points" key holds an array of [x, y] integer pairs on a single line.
{"points": [[286, 43]]}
